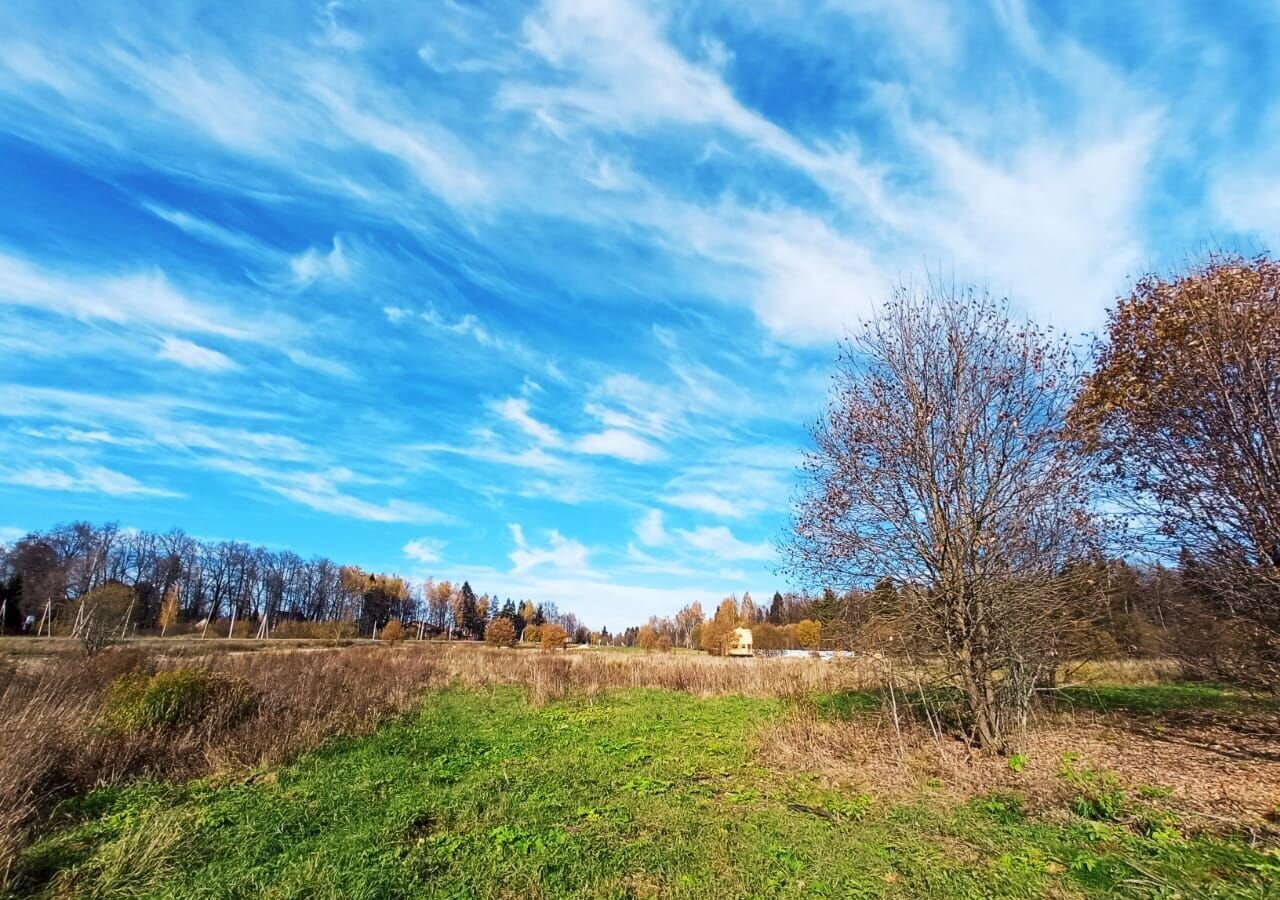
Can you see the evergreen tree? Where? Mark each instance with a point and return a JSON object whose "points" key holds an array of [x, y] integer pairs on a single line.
{"points": [[777, 610], [471, 623]]}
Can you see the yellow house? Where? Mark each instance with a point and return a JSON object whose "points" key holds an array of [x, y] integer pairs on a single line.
{"points": [[741, 645]]}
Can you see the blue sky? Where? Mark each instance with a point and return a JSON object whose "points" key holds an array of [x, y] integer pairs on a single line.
{"points": [[543, 296]]}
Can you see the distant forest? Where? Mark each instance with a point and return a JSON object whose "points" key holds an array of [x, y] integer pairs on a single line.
{"points": [[231, 587]]}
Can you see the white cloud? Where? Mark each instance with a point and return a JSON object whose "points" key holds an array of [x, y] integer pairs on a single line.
{"points": [[319, 364], [322, 491], [561, 554], [89, 479], [618, 443], [316, 265], [650, 529], [719, 541], [629, 77], [1056, 226], [139, 298], [435, 156], [424, 550], [468, 326], [10, 534], [704, 501], [210, 232], [193, 356], [516, 411]]}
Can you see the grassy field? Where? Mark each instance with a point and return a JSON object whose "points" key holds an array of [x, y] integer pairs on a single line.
{"points": [[637, 793], [553, 778]]}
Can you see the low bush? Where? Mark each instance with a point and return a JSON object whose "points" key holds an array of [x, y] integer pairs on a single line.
{"points": [[72, 724], [178, 698], [500, 632], [393, 632], [553, 637]]}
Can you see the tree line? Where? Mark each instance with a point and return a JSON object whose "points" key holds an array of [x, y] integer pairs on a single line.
{"points": [[125, 581]]}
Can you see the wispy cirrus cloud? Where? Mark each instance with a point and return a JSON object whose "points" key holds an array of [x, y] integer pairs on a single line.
{"points": [[194, 356], [145, 298], [77, 478]]}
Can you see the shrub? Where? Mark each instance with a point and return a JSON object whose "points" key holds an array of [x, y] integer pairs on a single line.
{"points": [[393, 632], [808, 634], [500, 632], [104, 610], [664, 644], [224, 628], [178, 698], [533, 633], [553, 637]]}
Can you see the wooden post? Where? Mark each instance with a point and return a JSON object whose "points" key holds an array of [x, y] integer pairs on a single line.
{"points": [[40, 627], [124, 629], [232, 629], [79, 623]]}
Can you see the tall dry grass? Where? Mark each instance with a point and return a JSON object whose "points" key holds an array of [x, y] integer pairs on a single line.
{"points": [[53, 741], [550, 676]]}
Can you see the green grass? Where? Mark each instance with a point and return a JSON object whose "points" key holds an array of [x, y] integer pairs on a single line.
{"points": [[640, 793], [1163, 699]]}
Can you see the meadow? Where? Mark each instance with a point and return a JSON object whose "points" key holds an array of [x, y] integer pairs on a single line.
{"points": [[238, 769]]}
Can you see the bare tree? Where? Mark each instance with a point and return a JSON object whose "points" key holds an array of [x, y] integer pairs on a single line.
{"points": [[941, 465]]}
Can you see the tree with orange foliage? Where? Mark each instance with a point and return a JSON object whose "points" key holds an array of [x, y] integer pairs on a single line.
{"points": [[808, 634], [646, 639], [1183, 409], [553, 637], [500, 632], [718, 634]]}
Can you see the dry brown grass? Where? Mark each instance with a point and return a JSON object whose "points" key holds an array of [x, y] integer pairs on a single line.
{"points": [[1133, 672], [52, 743], [595, 671], [1222, 770]]}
